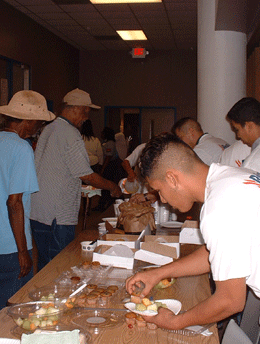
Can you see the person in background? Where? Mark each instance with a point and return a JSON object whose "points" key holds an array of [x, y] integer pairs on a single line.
{"points": [[206, 146], [62, 164], [23, 116], [121, 145], [244, 119], [235, 154], [93, 146], [231, 201], [132, 161], [111, 169]]}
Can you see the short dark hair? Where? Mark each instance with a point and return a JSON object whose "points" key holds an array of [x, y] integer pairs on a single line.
{"points": [[183, 121], [87, 129], [8, 119], [245, 110], [108, 134], [179, 154]]}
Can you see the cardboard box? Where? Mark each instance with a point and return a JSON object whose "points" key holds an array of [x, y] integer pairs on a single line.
{"points": [[190, 233], [100, 255], [154, 252], [130, 240], [123, 239], [167, 240]]}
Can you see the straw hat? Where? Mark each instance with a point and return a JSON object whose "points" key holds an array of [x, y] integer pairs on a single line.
{"points": [[78, 97], [28, 105]]}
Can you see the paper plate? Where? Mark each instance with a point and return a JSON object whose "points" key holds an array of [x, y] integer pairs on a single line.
{"points": [[171, 224], [172, 305], [9, 341]]}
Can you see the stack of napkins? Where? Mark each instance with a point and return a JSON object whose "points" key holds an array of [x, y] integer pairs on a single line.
{"points": [[190, 233], [71, 337]]}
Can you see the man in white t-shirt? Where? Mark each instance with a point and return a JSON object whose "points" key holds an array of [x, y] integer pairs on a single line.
{"points": [[206, 146], [231, 203], [244, 119], [235, 154]]}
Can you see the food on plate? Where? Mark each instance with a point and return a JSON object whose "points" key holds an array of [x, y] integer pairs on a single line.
{"points": [[105, 296], [75, 279], [140, 322], [92, 299], [165, 283], [99, 290], [112, 287], [95, 264], [135, 297], [47, 315], [94, 292], [146, 301], [91, 287], [81, 301], [130, 318], [149, 306], [86, 265], [140, 307], [70, 303], [49, 297]]}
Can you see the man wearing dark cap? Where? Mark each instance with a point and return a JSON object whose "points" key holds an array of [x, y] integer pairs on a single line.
{"points": [[62, 164]]}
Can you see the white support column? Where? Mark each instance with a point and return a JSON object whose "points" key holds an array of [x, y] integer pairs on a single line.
{"points": [[221, 72]]}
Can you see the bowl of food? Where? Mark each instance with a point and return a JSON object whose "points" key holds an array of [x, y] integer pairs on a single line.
{"points": [[40, 314], [51, 293]]}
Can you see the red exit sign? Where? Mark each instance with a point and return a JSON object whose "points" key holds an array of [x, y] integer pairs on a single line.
{"points": [[139, 52]]}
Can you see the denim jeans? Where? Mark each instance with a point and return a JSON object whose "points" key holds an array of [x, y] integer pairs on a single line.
{"points": [[51, 240], [9, 272]]}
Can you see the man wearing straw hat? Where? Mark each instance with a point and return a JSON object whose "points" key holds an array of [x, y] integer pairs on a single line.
{"points": [[62, 164], [23, 117]]}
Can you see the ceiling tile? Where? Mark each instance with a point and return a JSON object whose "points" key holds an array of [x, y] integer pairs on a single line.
{"points": [[62, 22], [33, 2], [44, 8], [112, 7], [165, 24], [78, 8], [85, 15], [130, 23], [115, 45], [54, 16], [100, 30]]}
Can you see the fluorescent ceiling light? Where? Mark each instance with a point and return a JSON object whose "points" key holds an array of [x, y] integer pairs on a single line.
{"points": [[132, 35], [121, 1]]}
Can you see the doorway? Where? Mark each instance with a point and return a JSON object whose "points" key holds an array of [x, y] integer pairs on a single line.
{"points": [[140, 122]]}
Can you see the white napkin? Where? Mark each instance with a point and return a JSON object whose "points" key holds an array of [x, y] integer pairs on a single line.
{"points": [[71, 337], [191, 236], [120, 251]]}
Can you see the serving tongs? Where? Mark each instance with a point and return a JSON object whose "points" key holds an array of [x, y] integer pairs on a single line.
{"points": [[191, 332]]}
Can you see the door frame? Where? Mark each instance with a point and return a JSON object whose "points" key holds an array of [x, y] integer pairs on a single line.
{"points": [[107, 107]]}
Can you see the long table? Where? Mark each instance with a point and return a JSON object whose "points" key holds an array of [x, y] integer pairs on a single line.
{"points": [[189, 290]]}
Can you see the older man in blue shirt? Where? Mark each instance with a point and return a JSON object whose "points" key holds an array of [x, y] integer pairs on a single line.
{"points": [[23, 117]]}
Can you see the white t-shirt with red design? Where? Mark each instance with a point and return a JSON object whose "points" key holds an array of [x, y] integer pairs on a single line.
{"points": [[230, 224]]}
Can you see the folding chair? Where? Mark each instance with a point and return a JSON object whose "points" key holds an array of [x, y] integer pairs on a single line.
{"points": [[249, 330], [250, 318], [235, 335]]}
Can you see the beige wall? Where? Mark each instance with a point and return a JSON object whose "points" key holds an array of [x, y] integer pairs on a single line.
{"points": [[53, 62], [163, 78]]}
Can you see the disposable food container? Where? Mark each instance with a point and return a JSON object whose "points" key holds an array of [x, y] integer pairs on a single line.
{"points": [[40, 314]]}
